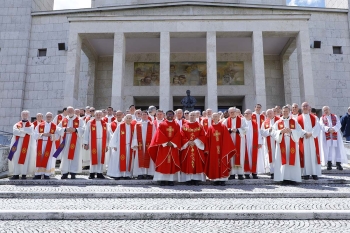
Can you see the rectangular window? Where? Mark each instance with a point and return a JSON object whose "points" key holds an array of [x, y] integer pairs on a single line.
{"points": [[42, 52], [337, 50]]}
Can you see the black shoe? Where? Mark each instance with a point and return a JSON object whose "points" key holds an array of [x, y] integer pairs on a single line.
{"points": [[15, 177], [140, 177], [24, 177], [314, 177], [72, 176], [339, 167], [64, 176], [149, 177], [46, 177], [232, 177], [216, 183], [116, 178], [222, 183], [240, 177], [92, 176], [292, 182], [171, 183], [255, 176], [37, 177], [127, 178], [100, 176], [195, 182], [189, 182], [162, 183], [272, 176], [86, 168], [329, 165], [247, 176], [306, 177]]}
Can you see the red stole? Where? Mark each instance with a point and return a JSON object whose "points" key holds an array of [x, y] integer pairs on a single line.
{"points": [[105, 119], [114, 126], [301, 141], [206, 124], [36, 123], [74, 138], [254, 151], [144, 158], [59, 119], [86, 118], [262, 118], [94, 142], [268, 139], [238, 139], [42, 162], [334, 122], [25, 143], [122, 147], [283, 143]]}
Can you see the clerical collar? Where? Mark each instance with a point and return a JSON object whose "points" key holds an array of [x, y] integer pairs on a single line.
{"points": [[48, 122], [285, 118], [170, 121], [24, 120]]}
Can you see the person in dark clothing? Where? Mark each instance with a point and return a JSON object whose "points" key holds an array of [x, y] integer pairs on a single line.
{"points": [[345, 125]]}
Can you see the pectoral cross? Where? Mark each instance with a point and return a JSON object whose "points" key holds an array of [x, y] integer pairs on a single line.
{"points": [[216, 135], [140, 145], [170, 131]]}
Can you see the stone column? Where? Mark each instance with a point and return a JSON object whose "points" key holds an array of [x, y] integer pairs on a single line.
{"points": [[165, 98], [286, 78], [212, 84], [118, 71], [306, 81], [71, 86], [258, 69]]}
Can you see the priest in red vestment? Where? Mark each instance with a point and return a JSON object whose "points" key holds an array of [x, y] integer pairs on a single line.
{"points": [[221, 149], [192, 152], [164, 150]]}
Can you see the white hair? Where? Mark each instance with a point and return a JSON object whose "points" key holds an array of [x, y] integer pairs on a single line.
{"points": [[48, 113], [25, 111], [98, 111]]}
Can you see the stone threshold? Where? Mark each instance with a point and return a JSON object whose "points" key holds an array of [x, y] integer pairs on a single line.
{"points": [[174, 214]]}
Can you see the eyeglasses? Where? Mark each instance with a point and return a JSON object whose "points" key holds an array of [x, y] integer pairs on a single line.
{"points": [[186, 113], [92, 110]]}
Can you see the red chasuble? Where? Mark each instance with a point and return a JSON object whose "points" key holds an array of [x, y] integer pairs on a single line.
{"points": [[205, 124], [301, 140], [25, 143], [144, 158], [40, 160], [166, 159], [292, 144], [192, 159], [114, 126], [255, 145], [221, 150], [105, 119]]}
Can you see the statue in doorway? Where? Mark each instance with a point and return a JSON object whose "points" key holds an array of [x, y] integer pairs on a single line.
{"points": [[188, 102]]}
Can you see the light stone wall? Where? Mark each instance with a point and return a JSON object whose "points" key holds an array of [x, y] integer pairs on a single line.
{"points": [[15, 24], [273, 73], [42, 5]]}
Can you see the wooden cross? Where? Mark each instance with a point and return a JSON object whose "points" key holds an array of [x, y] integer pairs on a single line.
{"points": [[170, 131], [217, 134]]}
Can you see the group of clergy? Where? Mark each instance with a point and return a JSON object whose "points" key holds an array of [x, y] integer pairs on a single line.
{"points": [[179, 146]]}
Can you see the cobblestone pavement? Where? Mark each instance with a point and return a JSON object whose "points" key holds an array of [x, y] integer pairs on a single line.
{"points": [[177, 226], [302, 188], [177, 204]]}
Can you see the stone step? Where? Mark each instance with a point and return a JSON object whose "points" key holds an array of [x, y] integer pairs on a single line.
{"points": [[179, 191], [83, 180], [176, 226], [174, 208]]}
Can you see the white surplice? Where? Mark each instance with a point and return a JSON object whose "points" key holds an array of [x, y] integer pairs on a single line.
{"points": [[332, 150], [242, 131], [51, 163], [114, 160], [266, 133], [74, 165], [136, 170], [287, 172], [28, 167], [260, 168], [310, 160], [98, 168]]}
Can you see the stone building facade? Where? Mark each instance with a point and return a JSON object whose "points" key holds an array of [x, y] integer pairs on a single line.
{"points": [[290, 54]]}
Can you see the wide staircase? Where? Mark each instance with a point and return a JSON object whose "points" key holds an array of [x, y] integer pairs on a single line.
{"points": [[108, 205]]}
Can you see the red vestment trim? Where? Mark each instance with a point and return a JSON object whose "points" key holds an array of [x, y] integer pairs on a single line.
{"points": [[254, 151], [238, 139], [25, 143], [144, 158], [94, 158], [42, 162], [292, 150], [73, 141]]}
